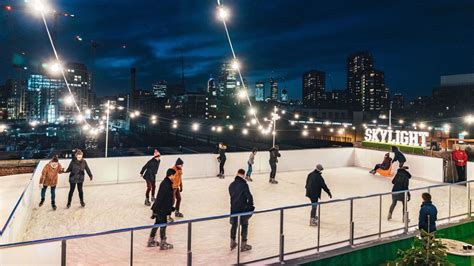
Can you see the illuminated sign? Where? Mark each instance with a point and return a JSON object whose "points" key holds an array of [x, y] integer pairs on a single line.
{"points": [[410, 138]]}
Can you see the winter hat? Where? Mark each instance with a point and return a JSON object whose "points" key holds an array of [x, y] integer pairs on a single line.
{"points": [[170, 172], [319, 167], [156, 153], [179, 162]]}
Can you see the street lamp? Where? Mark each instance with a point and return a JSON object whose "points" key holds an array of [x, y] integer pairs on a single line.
{"points": [[275, 117], [107, 129]]}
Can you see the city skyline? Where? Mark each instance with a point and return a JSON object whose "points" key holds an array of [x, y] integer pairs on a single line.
{"points": [[321, 40]]}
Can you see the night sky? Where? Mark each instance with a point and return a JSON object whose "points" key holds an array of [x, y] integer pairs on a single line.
{"points": [[414, 42]]}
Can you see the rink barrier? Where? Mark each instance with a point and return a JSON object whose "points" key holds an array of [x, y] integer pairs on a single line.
{"points": [[17, 204], [350, 241]]}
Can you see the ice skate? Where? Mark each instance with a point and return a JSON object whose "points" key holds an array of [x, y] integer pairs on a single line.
{"points": [[313, 222], [165, 245], [53, 205], [178, 214], [152, 242], [233, 244], [41, 202], [68, 205], [83, 204], [389, 216], [152, 199], [147, 202], [245, 247], [170, 220]]}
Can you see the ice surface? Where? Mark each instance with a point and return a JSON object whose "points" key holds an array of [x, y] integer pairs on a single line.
{"points": [[117, 206]]}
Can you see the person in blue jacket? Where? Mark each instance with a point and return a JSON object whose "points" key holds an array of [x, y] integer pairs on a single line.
{"points": [[428, 214]]}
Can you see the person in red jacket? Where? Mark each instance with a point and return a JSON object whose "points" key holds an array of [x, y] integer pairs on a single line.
{"points": [[460, 159]]}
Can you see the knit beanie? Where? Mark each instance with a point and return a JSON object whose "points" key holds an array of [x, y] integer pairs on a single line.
{"points": [[170, 172], [179, 162]]}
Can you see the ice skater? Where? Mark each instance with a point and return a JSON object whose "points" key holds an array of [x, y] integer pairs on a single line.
{"points": [[274, 154], [460, 160], [314, 184], [399, 157], [428, 214], [400, 182], [76, 177], [177, 186], [162, 208], [221, 159], [385, 165], [148, 173], [250, 163], [49, 178], [241, 200]]}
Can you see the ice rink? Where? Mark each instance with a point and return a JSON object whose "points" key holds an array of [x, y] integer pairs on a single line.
{"points": [[121, 205]]}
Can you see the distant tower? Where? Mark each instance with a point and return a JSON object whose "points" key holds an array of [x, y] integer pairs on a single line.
{"points": [[273, 90], [260, 91], [284, 96], [314, 83]]}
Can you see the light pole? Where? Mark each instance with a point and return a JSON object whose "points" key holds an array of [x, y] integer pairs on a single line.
{"points": [[275, 117], [107, 129], [390, 115]]}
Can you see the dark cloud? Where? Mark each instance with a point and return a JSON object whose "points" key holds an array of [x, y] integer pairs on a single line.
{"points": [[414, 42]]}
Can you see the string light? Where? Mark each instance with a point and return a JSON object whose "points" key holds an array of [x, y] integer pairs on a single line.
{"points": [[305, 133], [231, 127], [245, 131], [195, 127]]}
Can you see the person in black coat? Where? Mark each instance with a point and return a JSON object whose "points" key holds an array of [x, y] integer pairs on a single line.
{"points": [[241, 200], [148, 173], [385, 165], [162, 207], [274, 155], [314, 184], [400, 182], [221, 159], [77, 169], [399, 157], [428, 214]]}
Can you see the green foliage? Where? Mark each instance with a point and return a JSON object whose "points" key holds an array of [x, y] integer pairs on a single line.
{"points": [[387, 146], [425, 250]]}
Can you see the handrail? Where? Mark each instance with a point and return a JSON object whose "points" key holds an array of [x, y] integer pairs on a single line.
{"points": [[203, 219]]}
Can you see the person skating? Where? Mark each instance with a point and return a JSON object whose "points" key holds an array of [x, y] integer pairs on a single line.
{"points": [[460, 160], [385, 165], [77, 169], [400, 182], [221, 159], [177, 186], [428, 214], [148, 172], [314, 184], [241, 200], [162, 208], [399, 157], [274, 154], [49, 178], [250, 162]]}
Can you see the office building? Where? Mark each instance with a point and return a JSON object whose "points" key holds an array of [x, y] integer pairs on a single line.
{"points": [[314, 83], [273, 90], [357, 64], [260, 91], [160, 89]]}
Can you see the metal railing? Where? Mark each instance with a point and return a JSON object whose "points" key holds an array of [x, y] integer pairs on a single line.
{"points": [[317, 246]]}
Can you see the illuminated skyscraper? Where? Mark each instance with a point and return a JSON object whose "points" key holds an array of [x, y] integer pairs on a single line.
{"points": [[260, 91]]}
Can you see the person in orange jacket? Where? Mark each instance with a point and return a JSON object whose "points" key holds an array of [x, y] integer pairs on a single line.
{"points": [[49, 178], [460, 159], [177, 186]]}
